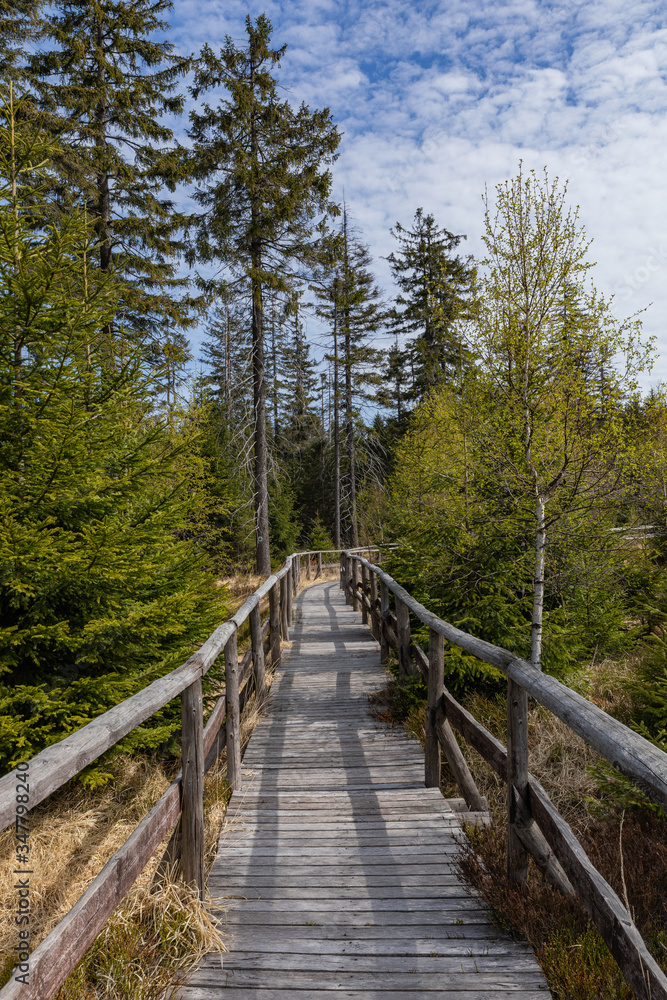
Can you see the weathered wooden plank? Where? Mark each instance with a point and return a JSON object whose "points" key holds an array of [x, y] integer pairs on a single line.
{"points": [[233, 723], [517, 778], [628, 752], [248, 993], [192, 817], [56, 956], [274, 625], [257, 649], [436, 686], [599, 900]]}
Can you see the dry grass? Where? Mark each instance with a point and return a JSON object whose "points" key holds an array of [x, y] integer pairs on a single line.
{"points": [[161, 928], [576, 962]]}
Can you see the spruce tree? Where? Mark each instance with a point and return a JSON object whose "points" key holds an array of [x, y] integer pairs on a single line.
{"points": [[105, 80], [99, 498], [18, 26], [350, 300], [434, 286], [263, 186]]}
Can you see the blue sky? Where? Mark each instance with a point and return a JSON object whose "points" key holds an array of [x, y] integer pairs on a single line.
{"points": [[438, 100]]}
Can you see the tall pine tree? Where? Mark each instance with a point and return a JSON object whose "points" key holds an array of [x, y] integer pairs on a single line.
{"points": [[105, 81], [263, 187], [434, 286]]}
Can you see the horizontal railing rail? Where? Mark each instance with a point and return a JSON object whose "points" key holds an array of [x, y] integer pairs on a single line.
{"points": [[182, 805], [534, 825]]}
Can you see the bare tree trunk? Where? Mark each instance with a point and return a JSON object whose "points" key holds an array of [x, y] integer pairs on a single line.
{"points": [[274, 361], [349, 413], [538, 585], [336, 422], [263, 555]]}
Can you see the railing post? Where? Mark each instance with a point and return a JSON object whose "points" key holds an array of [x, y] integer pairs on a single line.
{"points": [[384, 610], [295, 583], [374, 611], [192, 819], [355, 583], [233, 723], [341, 560], [274, 624], [319, 565], [284, 628], [290, 595], [258, 653], [517, 777], [308, 566], [436, 686], [364, 584], [403, 635], [347, 577]]}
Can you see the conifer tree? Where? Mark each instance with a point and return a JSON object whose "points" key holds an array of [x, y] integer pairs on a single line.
{"points": [[18, 25], [263, 186], [105, 82], [434, 286], [99, 498], [350, 301]]}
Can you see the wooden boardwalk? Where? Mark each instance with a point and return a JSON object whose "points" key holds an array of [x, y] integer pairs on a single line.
{"points": [[334, 874]]}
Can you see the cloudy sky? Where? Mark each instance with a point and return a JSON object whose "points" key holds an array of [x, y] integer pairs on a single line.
{"points": [[437, 100]]}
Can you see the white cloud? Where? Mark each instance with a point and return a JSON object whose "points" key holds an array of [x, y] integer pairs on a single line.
{"points": [[436, 100]]}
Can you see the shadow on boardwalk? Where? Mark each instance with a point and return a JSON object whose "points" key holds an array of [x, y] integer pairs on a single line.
{"points": [[335, 873]]}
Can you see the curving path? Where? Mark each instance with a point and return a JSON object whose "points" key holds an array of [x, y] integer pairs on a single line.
{"points": [[334, 876]]}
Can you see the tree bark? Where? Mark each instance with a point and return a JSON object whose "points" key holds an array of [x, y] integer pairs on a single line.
{"points": [[538, 585], [262, 550], [336, 408], [349, 413]]}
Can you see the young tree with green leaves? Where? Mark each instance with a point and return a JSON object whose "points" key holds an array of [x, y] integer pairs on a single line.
{"points": [[262, 183], [104, 80], [553, 440], [434, 288]]}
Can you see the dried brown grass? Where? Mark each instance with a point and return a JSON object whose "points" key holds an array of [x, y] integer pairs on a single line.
{"points": [[576, 962], [161, 928]]}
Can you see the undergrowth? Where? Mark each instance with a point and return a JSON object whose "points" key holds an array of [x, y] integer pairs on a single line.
{"points": [[161, 929], [605, 817]]}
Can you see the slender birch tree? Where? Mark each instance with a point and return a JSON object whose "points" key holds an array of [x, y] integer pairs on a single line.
{"points": [[553, 436]]}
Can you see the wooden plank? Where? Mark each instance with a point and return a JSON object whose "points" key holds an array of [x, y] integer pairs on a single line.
{"points": [[599, 900], [233, 713], [436, 686], [246, 993], [517, 778], [631, 754], [192, 818], [284, 624], [56, 956], [258, 654], [274, 625], [403, 634]]}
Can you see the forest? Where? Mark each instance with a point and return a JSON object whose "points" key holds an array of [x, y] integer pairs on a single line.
{"points": [[488, 417], [502, 440]]}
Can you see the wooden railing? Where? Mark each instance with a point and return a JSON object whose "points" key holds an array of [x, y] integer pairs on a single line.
{"points": [[534, 825], [55, 957]]}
